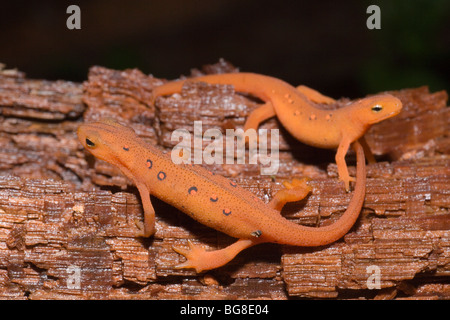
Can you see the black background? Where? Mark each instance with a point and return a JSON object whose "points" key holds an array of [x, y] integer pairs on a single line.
{"points": [[322, 44]]}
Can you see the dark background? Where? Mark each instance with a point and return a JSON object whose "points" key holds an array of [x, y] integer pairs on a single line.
{"points": [[322, 44]]}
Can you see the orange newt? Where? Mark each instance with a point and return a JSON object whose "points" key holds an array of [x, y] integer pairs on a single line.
{"points": [[298, 112], [211, 199]]}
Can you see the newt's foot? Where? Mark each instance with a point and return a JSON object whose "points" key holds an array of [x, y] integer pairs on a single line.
{"points": [[297, 183], [143, 232], [295, 190], [201, 260], [347, 181], [195, 255]]}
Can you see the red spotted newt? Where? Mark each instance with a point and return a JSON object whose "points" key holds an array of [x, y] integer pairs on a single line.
{"points": [[211, 199], [298, 111]]}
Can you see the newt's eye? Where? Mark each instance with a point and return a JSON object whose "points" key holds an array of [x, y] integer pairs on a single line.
{"points": [[377, 108], [89, 143]]}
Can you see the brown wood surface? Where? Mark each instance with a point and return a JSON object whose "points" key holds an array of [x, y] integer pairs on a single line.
{"points": [[65, 214]]}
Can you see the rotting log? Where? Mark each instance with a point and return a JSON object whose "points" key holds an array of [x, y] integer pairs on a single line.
{"points": [[67, 221]]}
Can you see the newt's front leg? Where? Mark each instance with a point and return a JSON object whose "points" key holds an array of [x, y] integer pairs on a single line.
{"points": [[341, 164], [200, 259], [148, 227]]}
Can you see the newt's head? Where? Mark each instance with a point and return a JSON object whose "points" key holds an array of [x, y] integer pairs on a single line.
{"points": [[377, 108], [106, 140]]}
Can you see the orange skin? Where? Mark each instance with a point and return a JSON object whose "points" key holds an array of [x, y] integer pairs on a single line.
{"points": [[297, 110], [211, 199]]}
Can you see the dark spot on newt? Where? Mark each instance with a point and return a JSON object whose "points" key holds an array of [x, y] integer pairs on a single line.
{"points": [[161, 175], [214, 198], [256, 233], [226, 211], [126, 148], [192, 190], [149, 163]]}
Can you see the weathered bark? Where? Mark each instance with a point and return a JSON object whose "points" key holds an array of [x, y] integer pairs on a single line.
{"points": [[65, 216]]}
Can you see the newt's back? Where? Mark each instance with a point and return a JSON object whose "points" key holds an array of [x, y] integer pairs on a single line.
{"points": [[210, 199]]}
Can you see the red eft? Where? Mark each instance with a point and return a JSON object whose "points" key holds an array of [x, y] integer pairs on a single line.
{"points": [[298, 111], [211, 199]]}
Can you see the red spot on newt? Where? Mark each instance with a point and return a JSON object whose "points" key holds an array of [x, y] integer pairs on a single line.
{"points": [[161, 175], [192, 190]]}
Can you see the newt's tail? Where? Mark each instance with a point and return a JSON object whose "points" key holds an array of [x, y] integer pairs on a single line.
{"points": [[299, 235]]}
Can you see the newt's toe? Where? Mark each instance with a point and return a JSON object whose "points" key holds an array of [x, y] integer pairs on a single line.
{"points": [[347, 182], [193, 257]]}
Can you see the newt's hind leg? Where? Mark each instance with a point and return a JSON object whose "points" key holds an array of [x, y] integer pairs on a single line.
{"points": [[295, 191], [367, 152], [260, 114], [200, 259]]}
